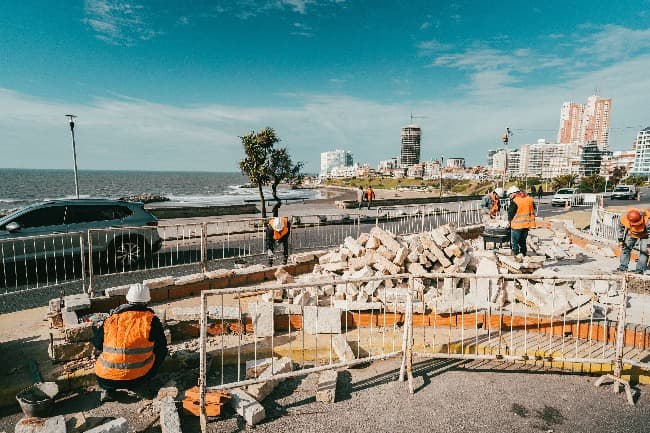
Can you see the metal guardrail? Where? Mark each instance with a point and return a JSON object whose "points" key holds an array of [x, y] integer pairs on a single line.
{"points": [[550, 321], [37, 262], [404, 220], [603, 224]]}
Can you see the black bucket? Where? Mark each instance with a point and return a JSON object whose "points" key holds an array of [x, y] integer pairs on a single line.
{"points": [[38, 399]]}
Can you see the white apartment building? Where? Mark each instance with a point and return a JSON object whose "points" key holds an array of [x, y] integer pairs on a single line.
{"points": [[332, 159], [456, 163], [549, 160], [641, 165]]}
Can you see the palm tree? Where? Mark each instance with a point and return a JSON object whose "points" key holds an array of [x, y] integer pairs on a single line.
{"points": [[564, 181], [257, 148]]}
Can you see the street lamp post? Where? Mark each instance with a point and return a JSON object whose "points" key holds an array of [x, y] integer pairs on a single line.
{"points": [[74, 154]]}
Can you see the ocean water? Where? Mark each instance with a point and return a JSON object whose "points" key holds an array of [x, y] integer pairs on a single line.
{"points": [[21, 187]]}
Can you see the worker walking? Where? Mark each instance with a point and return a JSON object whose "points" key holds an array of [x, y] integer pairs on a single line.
{"points": [[277, 231], [370, 196], [361, 194], [521, 215], [633, 228], [132, 343], [491, 203]]}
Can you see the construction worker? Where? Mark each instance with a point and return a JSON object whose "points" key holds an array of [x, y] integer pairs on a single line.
{"points": [[370, 196], [132, 343], [633, 228], [490, 204], [521, 215], [277, 231]]}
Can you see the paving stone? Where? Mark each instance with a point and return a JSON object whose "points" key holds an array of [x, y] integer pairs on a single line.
{"points": [[118, 425], [76, 302], [41, 425], [117, 291], [342, 348], [262, 316], [326, 391], [247, 407], [189, 279], [322, 320], [170, 421], [260, 391]]}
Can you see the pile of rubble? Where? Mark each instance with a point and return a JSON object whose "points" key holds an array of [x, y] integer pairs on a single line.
{"points": [[366, 263]]}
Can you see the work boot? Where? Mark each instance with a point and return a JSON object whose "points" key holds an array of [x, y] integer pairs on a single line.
{"points": [[620, 269], [106, 395], [519, 258]]}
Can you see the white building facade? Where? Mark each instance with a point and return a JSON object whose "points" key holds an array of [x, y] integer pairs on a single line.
{"points": [[641, 165], [336, 158]]}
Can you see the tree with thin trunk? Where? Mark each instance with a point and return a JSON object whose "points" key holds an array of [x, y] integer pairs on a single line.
{"points": [[264, 164], [257, 147]]}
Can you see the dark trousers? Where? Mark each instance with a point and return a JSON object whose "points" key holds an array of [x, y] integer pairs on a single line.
{"points": [[518, 241], [270, 244], [134, 384]]}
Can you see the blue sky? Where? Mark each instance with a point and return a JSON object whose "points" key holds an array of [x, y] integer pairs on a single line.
{"points": [[167, 85]]}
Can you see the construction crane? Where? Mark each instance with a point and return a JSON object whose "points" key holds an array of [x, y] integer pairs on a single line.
{"points": [[416, 117]]}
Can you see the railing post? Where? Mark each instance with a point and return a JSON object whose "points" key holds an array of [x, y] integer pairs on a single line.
{"points": [[204, 247], [83, 267], [202, 361], [91, 272]]}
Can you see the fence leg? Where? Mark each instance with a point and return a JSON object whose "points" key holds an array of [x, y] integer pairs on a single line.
{"points": [[618, 366], [202, 362], [90, 263], [407, 341], [204, 247]]}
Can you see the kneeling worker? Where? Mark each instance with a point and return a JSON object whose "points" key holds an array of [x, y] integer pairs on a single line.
{"points": [[634, 227], [277, 231], [133, 345]]}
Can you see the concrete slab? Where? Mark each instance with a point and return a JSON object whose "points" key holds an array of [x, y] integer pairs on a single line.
{"points": [[326, 391], [262, 316], [170, 421], [41, 425], [118, 425], [322, 320], [247, 407]]}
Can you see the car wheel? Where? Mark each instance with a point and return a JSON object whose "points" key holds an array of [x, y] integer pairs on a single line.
{"points": [[127, 252]]}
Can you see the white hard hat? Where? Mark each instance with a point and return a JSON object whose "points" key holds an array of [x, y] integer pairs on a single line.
{"points": [[278, 224], [499, 191], [138, 293], [513, 189]]}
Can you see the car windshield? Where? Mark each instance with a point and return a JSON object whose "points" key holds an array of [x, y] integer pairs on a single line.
{"points": [[564, 191], [621, 189]]}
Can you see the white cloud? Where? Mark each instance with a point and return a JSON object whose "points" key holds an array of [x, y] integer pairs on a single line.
{"points": [[124, 133], [614, 43], [117, 22], [432, 46]]}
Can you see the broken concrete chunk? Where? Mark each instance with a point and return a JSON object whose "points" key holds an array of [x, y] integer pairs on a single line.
{"points": [[386, 238], [247, 407], [354, 247], [326, 391]]}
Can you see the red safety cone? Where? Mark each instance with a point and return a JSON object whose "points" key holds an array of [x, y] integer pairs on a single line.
{"points": [[567, 205]]}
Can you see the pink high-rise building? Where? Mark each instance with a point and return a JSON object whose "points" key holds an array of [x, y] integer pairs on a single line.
{"points": [[582, 123]]}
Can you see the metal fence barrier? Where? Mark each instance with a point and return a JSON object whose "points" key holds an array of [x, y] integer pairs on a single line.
{"points": [[38, 262], [603, 224], [536, 320], [403, 220]]}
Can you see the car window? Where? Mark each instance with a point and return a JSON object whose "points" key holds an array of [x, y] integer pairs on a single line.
{"points": [[89, 213], [564, 191], [46, 216]]}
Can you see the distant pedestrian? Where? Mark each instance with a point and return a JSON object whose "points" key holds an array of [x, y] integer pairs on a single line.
{"points": [[360, 196], [540, 192], [370, 196]]}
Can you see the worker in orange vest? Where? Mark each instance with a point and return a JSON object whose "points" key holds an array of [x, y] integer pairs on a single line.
{"points": [[633, 228], [278, 230], [521, 215], [132, 343], [370, 196]]}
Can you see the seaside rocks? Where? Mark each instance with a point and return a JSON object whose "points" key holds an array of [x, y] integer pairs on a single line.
{"points": [[145, 198]]}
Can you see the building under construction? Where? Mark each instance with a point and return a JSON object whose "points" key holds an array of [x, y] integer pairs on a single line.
{"points": [[410, 147]]}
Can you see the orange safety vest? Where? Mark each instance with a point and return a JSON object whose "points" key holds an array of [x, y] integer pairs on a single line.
{"points": [[370, 194], [525, 216], [277, 235], [494, 210], [127, 353], [638, 232]]}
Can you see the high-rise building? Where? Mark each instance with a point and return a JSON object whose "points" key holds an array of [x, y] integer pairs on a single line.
{"points": [[641, 165], [549, 160], [590, 159], [335, 158], [410, 148], [584, 123]]}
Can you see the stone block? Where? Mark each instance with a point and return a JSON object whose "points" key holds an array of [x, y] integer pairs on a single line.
{"points": [[155, 283], [262, 316], [218, 274], [285, 309], [118, 425], [335, 266], [326, 391], [386, 253], [438, 236], [386, 238], [62, 351], [255, 367], [247, 407], [416, 269], [383, 264], [372, 243], [170, 421], [322, 320], [367, 259], [76, 302], [283, 277], [344, 305], [303, 298], [302, 258], [260, 391], [55, 424], [342, 348], [363, 238], [354, 247], [400, 256], [117, 291], [78, 332]]}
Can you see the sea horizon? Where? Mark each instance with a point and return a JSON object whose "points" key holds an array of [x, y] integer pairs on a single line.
{"points": [[21, 187]]}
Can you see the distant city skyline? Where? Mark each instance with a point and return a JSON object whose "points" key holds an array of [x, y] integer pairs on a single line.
{"points": [[163, 85]]}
